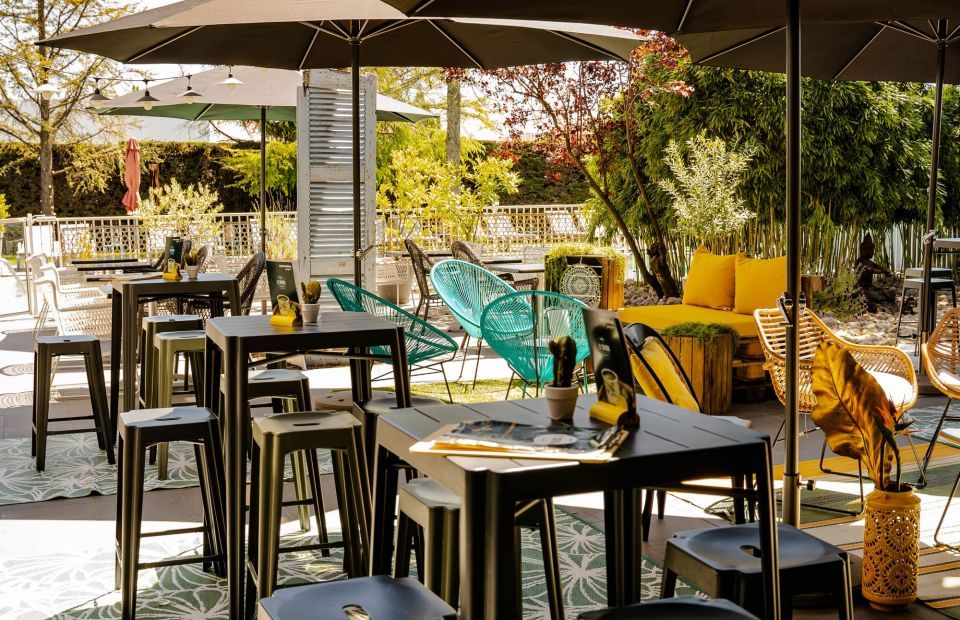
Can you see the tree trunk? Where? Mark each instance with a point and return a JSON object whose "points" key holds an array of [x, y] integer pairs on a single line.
{"points": [[453, 121], [46, 166]]}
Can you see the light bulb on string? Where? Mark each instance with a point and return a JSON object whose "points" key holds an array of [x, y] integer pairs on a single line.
{"points": [[231, 82], [45, 90], [97, 99], [190, 93], [147, 100]]}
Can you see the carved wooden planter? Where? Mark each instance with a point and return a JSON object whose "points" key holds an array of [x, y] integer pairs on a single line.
{"points": [[709, 364]]}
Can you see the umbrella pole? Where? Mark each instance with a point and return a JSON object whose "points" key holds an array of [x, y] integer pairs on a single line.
{"points": [[263, 179], [355, 79], [928, 310], [792, 307]]}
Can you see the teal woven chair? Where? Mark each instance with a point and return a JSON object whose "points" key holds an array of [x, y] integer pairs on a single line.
{"points": [[466, 290], [520, 326], [425, 342]]}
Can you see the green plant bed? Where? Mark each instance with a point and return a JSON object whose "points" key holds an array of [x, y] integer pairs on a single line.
{"points": [[701, 331]]}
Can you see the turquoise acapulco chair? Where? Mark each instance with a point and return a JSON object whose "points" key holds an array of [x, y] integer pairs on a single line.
{"points": [[425, 342], [520, 326], [466, 290]]}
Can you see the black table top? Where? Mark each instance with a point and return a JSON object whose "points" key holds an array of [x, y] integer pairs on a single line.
{"points": [[205, 282], [947, 243], [675, 441], [113, 266], [333, 330], [92, 261]]}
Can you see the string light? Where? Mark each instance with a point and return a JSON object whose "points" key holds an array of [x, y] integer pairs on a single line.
{"points": [[190, 93], [147, 100], [231, 82], [45, 90], [97, 98]]}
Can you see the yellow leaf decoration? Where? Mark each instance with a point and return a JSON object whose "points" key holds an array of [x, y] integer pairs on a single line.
{"points": [[857, 418]]}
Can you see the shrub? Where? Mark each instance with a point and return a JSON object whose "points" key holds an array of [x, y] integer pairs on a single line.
{"points": [[701, 331], [181, 210]]}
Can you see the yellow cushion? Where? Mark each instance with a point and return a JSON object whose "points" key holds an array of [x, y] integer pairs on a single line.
{"points": [[759, 283], [663, 368], [662, 317], [710, 281]]}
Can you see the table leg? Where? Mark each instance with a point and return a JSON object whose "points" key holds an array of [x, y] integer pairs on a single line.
{"points": [[473, 541], [216, 304], [116, 356], [613, 531], [233, 295], [501, 596], [129, 343], [401, 370], [234, 421], [384, 511], [212, 368], [631, 543], [768, 535]]}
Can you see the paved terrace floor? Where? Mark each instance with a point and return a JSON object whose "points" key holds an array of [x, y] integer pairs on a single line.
{"points": [[35, 520]]}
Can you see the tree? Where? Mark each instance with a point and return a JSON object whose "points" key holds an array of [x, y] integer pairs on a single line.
{"points": [[580, 111], [26, 115]]}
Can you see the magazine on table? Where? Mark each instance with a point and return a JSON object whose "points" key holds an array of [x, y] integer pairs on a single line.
{"points": [[616, 395], [557, 441]]}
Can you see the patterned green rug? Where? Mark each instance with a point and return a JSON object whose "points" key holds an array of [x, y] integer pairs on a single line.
{"points": [[76, 467], [76, 581]]}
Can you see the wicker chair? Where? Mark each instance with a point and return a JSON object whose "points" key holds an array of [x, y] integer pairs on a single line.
{"points": [[462, 251], [890, 366], [248, 278], [421, 270], [941, 361]]}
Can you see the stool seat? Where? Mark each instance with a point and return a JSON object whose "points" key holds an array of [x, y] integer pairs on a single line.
{"points": [[431, 494], [340, 400], [935, 272], [305, 430], [66, 345], [189, 340], [681, 607], [268, 382], [163, 419], [378, 596], [380, 406], [935, 283]]}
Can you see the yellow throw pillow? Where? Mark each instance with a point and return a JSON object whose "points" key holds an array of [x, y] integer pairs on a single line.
{"points": [[759, 283], [663, 368], [710, 281]]}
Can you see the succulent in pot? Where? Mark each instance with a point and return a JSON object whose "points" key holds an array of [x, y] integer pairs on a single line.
{"points": [[192, 262], [310, 295], [563, 392]]}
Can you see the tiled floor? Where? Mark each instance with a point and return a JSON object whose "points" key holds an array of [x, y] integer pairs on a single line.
{"points": [[184, 504]]}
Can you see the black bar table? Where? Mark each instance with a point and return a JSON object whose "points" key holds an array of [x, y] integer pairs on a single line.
{"points": [[127, 295], [92, 261], [125, 267], [672, 446], [231, 340]]}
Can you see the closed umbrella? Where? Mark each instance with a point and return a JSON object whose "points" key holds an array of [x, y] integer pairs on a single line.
{"points": [[293, 34], [131, 175], [889, 51], [265, 95]]}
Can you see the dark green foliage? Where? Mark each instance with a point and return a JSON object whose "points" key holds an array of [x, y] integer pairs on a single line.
{"points": [[701, 331], [543, 181], [564, 351]]}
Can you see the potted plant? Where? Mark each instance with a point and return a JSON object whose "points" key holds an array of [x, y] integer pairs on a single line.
{"points": [[562, 393], [310, 293], [192, 261], [860, 422], [706, 352]]}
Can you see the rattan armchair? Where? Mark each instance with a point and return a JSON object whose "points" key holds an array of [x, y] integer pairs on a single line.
{"points": [[421, 270], [889, 365], [941, 361]]}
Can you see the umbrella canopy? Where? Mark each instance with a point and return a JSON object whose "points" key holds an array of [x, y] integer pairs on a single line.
{"points": [[131, 175], [676, 15], [274, 89]]}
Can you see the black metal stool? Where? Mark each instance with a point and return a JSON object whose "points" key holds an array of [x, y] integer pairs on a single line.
{"points": [[941, 280], [425, 503], [274, 437], [682, 607], [140, 429], [45, 349], [371, 597], [724, 562]]}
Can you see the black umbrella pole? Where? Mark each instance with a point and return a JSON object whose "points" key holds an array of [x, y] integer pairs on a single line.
{"points": [[355, 79], [928, 310], [263, 179], [791, 465]]}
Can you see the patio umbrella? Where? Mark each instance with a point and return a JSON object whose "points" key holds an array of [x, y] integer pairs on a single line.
{"points": [[331, 33], [888, 51], [265, 95], [131, 175]]}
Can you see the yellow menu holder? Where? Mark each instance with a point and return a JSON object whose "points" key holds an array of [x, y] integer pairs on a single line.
{"points": [[605, 412], [286, 312], [172, 272], [288, 320]]}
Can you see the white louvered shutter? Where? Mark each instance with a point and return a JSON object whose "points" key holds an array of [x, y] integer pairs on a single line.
{"points": [[324, 177]]}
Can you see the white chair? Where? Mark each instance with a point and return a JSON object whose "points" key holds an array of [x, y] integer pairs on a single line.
{"points": [[74, 311]]}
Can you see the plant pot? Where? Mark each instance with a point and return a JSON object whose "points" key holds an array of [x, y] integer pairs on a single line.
{"points": [[709, 365], [193, 271], [561, 401], [891, 546], [310, 312]]}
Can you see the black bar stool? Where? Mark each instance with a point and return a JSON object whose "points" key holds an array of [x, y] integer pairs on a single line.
{"points": [[724, 562], [682, 607], [275, 436], [45, 349], [424, 503], [140, 429], [368, 597], [941, 280]]}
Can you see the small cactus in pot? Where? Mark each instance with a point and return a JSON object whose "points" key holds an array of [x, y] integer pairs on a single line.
{"points": [[310, 295], [192, 262], [563, 392]]}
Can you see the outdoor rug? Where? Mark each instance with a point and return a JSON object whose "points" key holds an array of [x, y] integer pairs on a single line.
{"points": [[48, 578], [76, 467]]}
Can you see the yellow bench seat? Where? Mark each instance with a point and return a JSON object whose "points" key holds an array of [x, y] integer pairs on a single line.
{"points": [[662, 317]]}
